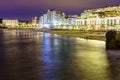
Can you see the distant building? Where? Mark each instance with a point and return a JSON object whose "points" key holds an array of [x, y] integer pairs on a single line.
{"points": [[36, 22], [24, 24], [10, 23], [100, 19], [52, 18], [71, 21], [13, 23]]}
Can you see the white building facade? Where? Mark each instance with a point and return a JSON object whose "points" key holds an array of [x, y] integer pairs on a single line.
{"points": [[35, 22], [100, 19], [52, 19], [10, 23]]}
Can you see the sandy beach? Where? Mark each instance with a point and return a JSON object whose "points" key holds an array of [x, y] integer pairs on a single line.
{"points": [[95, 35]]}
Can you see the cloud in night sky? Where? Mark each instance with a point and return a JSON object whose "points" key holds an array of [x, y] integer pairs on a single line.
{"points": [[29, 8]]}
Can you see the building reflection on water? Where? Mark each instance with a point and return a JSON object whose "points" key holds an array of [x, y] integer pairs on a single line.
{"points": [[29, 55], [23, 33]]}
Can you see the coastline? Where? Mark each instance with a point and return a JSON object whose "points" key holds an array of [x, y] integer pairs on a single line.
{"points": [[94, 35]]}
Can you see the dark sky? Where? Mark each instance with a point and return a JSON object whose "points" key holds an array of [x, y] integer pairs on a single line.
{"points": [[26, 9]]}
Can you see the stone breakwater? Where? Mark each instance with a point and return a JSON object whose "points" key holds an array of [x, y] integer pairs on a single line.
{"points": [[113, 40]]}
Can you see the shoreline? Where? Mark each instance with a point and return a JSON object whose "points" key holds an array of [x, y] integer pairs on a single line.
{"points": [[93, 35]]}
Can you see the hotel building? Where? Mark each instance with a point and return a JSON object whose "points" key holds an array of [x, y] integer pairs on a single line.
{"points": [[35, 22], [52, 19], [12, 23], [9, 23], [100, 19]]}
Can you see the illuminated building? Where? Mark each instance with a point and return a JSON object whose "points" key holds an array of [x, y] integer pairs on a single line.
{"points": [[9, 23], [52, 18], [13, 23], [35, 22], [100, 19], [24, 24], [72, 21]]}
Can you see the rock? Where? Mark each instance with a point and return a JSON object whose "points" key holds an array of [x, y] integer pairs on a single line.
{"points": [[112, 40]]}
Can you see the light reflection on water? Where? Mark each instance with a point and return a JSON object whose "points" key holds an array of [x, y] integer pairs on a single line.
{"points": [[91, 59], [29, 55]]}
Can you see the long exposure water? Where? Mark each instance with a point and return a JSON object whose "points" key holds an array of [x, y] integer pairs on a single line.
{"points": [[29, 55]]}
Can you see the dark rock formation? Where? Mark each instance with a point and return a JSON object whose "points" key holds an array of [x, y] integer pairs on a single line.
{"points": [[112, 40]]}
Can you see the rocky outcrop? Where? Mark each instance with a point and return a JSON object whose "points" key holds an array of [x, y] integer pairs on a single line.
{"points": [[113, 40]]}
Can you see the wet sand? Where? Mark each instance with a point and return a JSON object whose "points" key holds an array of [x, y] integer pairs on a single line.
{"points": [[95, 35]]}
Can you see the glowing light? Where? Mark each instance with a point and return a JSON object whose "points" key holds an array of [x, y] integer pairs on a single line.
{"points": [[92, 61]]}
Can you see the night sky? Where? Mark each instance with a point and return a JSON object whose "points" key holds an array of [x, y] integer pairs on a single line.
{"points": [[26, 9]]}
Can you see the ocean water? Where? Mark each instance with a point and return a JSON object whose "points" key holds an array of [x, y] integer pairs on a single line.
{"points": [[30, 55]]}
